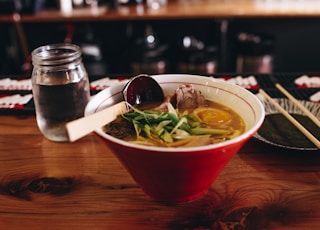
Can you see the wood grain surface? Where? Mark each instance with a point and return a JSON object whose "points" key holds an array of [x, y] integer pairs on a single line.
{"points": [[81, 185]]}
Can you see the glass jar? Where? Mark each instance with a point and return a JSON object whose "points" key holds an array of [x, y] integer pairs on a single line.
{"points": [[60, 87]]}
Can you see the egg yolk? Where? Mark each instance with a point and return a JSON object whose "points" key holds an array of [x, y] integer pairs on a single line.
{"points": [[211, 116]]}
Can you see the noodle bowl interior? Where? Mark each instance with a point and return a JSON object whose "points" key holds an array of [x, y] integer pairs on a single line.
{"points": [[185, 119]]}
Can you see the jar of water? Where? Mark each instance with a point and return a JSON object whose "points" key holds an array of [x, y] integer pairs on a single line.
{"points": [[60, 87]]}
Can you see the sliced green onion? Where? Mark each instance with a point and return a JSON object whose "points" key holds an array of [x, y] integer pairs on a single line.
{"points": [[208, 131], [180, 134], [166, 137], [181, 121]]}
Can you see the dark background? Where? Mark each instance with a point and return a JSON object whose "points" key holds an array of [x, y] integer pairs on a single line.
{"points": [[296, 45]]}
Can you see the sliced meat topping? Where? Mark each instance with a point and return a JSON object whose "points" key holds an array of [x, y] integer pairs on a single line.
{"points": [[187, 97]]}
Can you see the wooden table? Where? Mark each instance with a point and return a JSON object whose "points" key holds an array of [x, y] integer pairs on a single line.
{"points": [[81, 185]]}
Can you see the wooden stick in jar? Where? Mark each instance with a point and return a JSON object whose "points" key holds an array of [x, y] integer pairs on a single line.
{"points": [[312, 138], [298, 104]]}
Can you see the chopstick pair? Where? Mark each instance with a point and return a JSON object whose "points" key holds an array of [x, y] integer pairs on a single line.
{"points": [[311, 137]]}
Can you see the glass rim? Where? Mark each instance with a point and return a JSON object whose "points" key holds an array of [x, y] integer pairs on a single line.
{"points": [[55, 54]]}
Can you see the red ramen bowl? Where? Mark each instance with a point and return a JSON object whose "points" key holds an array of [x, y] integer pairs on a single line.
{"points": [[182, 174]]}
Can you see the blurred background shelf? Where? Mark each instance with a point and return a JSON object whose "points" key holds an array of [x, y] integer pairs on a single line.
{"points": [[175, 9], [116, 37]]}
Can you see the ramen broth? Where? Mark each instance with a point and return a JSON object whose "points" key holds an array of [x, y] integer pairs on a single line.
{"points": [[204, 125]]}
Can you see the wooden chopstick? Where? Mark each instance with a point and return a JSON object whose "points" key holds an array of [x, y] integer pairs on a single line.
{"points": [[298, 104], [312, 138]]}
